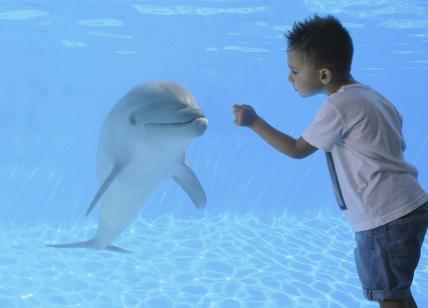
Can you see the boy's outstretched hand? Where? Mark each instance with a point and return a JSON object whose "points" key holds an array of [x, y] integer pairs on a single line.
{"points": [[245, 115]]}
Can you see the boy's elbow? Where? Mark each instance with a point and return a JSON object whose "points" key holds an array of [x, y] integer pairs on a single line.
{"points": [[302, 149], [298, 155], [294, 153]]}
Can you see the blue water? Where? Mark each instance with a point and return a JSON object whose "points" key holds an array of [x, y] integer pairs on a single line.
{"points": [[271, 234]]}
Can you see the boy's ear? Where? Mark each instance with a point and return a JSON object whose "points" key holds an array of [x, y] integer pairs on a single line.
{"points": [[325, 76]]}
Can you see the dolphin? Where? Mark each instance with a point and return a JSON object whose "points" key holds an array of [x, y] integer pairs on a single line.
{"points": [[143, 142]]}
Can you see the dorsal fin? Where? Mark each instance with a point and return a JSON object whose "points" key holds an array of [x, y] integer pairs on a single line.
{"points": [[113, 173]]}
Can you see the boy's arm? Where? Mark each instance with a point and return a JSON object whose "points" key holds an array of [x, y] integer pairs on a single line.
{"points": [[295, 148]]}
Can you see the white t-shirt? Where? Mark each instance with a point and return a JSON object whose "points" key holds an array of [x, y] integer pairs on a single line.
{"points": [[361, 132]]}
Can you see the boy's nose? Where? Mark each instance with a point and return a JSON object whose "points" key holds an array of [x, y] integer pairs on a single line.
{"points": [[290, 77]]}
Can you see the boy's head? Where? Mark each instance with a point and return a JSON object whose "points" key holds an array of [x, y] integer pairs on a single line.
{"points": [[319, 53]]}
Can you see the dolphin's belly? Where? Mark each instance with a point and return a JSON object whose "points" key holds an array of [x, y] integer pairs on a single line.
{"points": [[133, 184]]}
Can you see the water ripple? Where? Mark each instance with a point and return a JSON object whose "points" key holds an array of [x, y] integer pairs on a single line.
{"points": [[220, 261]]}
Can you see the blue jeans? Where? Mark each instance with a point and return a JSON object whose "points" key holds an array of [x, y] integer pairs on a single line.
{"points": [[387, 256]]}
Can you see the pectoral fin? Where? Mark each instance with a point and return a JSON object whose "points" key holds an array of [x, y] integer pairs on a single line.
{"points": [[113, 173], [190, 183]]}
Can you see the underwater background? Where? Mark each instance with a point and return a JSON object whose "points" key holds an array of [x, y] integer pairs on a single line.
{"points": [[271, 234]]}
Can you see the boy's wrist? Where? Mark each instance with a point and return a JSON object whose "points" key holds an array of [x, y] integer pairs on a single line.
{"points": [[256, 122]]}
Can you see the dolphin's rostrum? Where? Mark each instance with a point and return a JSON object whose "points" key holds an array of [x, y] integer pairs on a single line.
{"points": [[143, 142]]}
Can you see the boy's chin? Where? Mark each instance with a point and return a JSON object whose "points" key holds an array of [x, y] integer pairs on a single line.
{"points": [[304, 94], [308, 94]]}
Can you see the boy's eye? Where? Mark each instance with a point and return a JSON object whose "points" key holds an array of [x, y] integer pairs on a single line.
{"points": [[294, 72]]}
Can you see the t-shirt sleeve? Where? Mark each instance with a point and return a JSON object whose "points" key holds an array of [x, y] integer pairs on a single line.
{"points": [[325, 129]]}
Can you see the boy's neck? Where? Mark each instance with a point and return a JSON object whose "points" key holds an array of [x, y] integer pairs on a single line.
{"points": [[334, 87]]}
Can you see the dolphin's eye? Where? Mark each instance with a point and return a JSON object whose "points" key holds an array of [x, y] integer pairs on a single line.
{"points": [[132, 120]]}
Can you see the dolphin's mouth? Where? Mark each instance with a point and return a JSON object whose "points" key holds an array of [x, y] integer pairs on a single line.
{"points": [[174, 124]]}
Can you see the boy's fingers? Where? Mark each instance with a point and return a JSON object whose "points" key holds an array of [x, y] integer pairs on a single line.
{"points": [[248, 107]]}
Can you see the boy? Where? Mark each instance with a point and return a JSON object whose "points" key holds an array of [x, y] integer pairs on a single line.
{"points": [[360, 132]]}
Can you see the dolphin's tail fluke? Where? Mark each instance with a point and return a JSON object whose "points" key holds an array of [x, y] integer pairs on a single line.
{"points": [[88, 244], [113, 173]]}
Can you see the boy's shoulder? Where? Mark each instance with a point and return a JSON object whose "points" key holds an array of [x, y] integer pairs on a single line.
{"points": [[350, 91], [356, 96], [356, 102]]}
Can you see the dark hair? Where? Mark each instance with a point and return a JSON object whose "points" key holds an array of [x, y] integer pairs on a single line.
{"points": [[322, 42]]}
